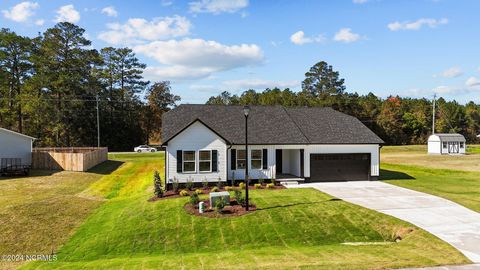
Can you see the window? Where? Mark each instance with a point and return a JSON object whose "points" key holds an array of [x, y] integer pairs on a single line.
{"points": [[205, 160], [256, 162], [241, 160], [444, 145], [462, 144], [189, 161]]}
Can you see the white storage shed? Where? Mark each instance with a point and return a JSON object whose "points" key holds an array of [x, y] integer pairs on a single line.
{"points": [[15, 147], [446, 144]]}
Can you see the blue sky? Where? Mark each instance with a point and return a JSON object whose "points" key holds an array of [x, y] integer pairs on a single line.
{"points": [[408, 48]]}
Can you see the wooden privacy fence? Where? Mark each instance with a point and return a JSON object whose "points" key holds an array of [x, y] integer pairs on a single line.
{"points": [[79, 159]]}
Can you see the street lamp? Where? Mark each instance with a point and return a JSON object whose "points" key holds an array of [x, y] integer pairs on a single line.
{"points": [[246, 111]]}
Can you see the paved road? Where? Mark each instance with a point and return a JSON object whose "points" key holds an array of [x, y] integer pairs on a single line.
{"points": [[445, 219]]}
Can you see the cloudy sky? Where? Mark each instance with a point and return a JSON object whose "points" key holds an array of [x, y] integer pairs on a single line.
{"points": [[407, 48]]}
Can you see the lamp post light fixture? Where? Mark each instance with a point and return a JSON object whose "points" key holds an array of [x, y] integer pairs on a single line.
{"points": [[246, 111]]}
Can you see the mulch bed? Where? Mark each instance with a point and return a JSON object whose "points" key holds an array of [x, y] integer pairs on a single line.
{"points": [[171, 194], [232, 210]]}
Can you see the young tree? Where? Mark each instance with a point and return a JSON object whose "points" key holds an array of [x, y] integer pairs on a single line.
{"points": [[157, 184]]}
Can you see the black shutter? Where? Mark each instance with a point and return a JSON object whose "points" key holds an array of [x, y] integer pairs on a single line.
{"points": [[179, 161], [265, 159], [214, 161], [233, 159]]}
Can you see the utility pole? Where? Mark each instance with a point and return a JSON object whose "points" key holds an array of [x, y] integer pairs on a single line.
{"points": [[433, 116], [98, 123]]}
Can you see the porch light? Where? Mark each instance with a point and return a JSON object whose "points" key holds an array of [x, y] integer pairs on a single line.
{"points": [[246, 110]]}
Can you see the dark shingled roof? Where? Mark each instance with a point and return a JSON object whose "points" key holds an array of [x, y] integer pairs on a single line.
{"points": [[271, 125]]}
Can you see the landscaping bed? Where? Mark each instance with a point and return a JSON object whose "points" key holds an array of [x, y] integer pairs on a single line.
{"points": [[234, 209]]}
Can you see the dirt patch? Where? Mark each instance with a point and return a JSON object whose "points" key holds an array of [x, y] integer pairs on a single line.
{"points": [[232, 210]]}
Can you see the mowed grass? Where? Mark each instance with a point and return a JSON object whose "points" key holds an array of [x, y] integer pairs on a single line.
{"points": [[39, 213], [443, 176], [416, 155], [292, 229]]}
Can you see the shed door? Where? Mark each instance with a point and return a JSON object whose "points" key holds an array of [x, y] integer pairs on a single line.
{"points": [[339, 167]]}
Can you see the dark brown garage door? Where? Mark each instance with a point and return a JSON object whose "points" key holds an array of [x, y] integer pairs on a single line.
{"points": [[339, 167]]}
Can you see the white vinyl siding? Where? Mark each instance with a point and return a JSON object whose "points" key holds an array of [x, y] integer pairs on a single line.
{"points": [[197, 137], [16, 146]]}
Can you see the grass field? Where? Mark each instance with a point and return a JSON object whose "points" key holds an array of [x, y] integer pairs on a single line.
{"points": [[294, 228], [456, 178]]}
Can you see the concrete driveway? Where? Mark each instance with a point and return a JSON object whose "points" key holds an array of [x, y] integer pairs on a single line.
{"points": [[445, 219]]}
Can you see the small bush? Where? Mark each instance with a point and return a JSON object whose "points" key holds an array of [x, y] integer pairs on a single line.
{"points": [[205, 182], [198, 191], [261, 181], [241, 185], [157, 183], [194, 199], [274, 182], [189, 184], [183, 192], [219, 183], [258, 186], [229, 188], [175, 184], [214, 189], [220, 203], [239, 197], [270, 185]]}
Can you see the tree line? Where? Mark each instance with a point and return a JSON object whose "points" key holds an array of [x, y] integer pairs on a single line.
{"points": [[50, 86], [397, 120]]}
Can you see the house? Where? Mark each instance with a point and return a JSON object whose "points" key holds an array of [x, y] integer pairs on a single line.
{"points": [[15, 148], [446, 143], [207, 142]]}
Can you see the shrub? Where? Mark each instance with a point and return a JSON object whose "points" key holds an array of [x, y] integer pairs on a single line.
{"points": [[270, 185], [214, 189], [220, 203], [157, 184], [258, 186], [274, 182], [194, 199], [205, 182], [183, 192], [241, 185], [189, 184], [198, 191], [175, 184], [261, 181], [228, 188], [239, 196], [219, 183]]}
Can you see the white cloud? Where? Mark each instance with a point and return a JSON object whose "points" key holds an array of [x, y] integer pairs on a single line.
{"points": [[197, 58], [217, 6], [452, 72], [40, 22], [21, 12], [360, 1], [136, 30], [346, 35], [67, 13], [299, 38], [416, 25], [110, 11], [246, 84], [166, 3], [205, 88], [472, 82]]}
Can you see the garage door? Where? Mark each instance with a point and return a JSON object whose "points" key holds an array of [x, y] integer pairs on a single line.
{"points": [[339, 167]]}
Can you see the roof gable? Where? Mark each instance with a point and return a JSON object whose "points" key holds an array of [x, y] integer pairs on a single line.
{"points": [[271, 125], [16, 133]]}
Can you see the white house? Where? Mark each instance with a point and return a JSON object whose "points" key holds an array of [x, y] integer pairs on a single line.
{"points": [[446, 143], [311, 144], [15, 147]]}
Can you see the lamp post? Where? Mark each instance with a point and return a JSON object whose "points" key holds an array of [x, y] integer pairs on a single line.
{"points": [[246, 111]]}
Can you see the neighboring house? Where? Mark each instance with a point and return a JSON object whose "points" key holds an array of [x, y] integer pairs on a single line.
{"points": [[446, 143], [314, 144], [15, 148]]}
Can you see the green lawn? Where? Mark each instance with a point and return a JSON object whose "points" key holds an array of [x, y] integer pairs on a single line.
{"points": [[292, 229], [455, 182]]}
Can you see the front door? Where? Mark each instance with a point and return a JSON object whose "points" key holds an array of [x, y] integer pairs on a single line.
{"points": [[278, 161]]}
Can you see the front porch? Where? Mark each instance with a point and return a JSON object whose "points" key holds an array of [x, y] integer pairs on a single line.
{"points": [[289, 165]]}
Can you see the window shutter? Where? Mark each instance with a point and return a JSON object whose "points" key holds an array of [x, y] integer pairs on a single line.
{"points": [[265, 159], [179, 161], [233, 159], [214, 161]]}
